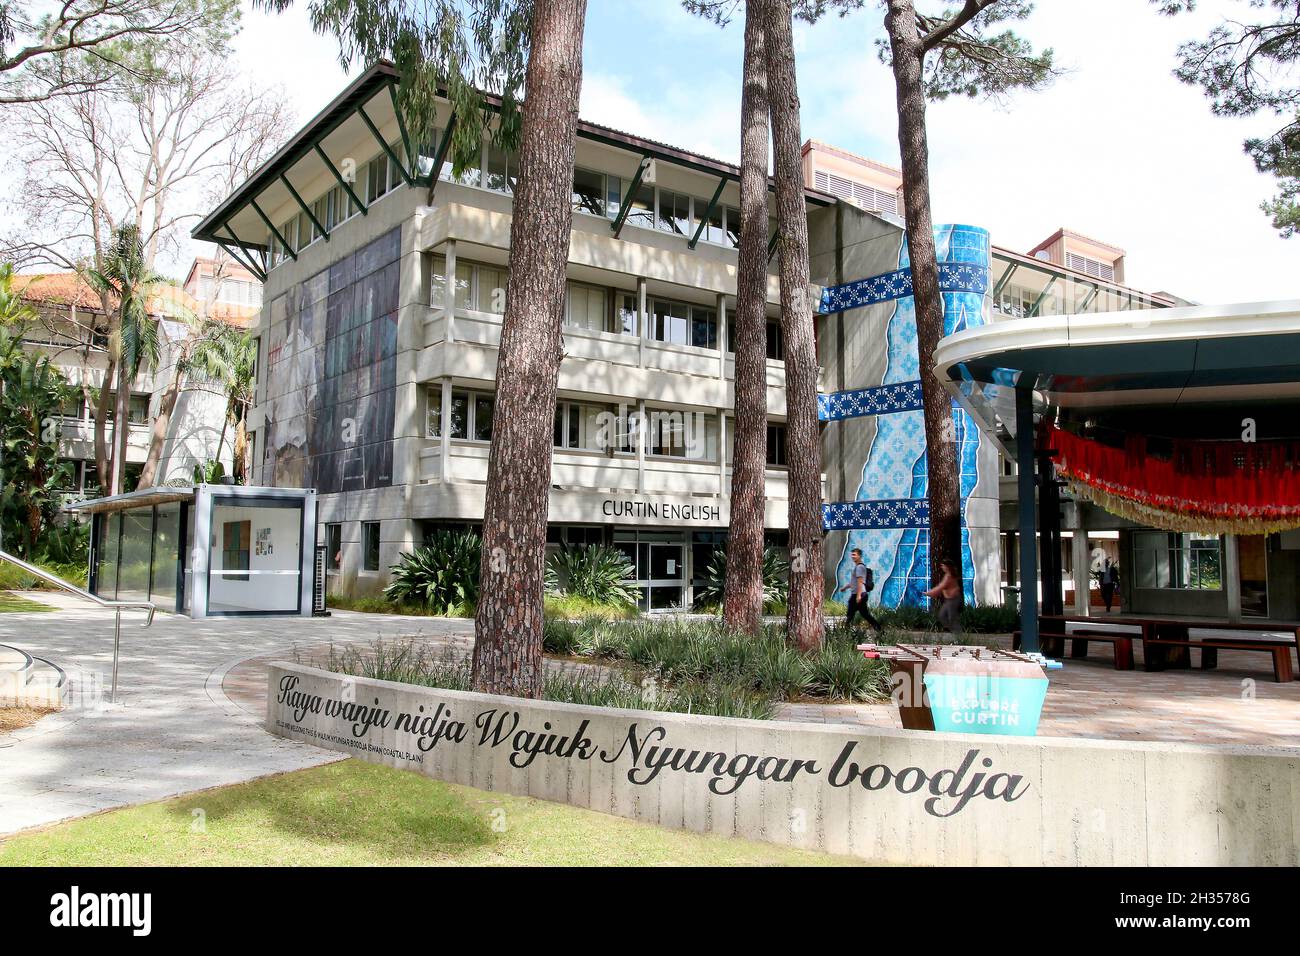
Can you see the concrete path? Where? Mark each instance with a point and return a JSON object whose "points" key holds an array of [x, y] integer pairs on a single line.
{"points": [[175, 730]]}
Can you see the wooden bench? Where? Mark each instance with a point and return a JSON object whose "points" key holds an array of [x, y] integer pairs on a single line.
{"points": [[1053, 645], [1155, 653]]}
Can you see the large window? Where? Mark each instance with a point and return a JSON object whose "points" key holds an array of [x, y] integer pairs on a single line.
{"points": [[471, 414], [775, 339], [679, 434], [674, 213], [597, 194], [776, 446], [585, 308], [583, 426], [235, 536], [1170, 560], [680, 323], [479, 288]]}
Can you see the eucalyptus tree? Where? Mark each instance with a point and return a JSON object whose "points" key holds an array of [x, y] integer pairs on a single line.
{"points": [[501, 46], [1252, 67]]}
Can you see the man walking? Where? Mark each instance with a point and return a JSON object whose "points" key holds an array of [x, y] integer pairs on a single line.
{"points": [[1109, 582], [861, 583]]}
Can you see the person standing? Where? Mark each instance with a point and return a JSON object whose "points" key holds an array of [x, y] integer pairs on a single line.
{"points": [[948, 590], [1109, 582], [861, 583]]}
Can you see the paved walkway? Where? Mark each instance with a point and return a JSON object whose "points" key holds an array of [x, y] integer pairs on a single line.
{"points": [[175, 730], [193, 697]]}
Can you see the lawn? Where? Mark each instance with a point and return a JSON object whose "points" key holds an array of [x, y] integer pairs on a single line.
{"points": [[357, 814], [12, 602]]}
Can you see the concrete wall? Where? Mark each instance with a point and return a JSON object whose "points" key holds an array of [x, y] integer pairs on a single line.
{"points": [[905, 797]]}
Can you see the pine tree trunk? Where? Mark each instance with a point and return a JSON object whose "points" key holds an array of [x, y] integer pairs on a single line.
{"points": [[941, 448], [508, 623], [743, 596], [804, 621]]}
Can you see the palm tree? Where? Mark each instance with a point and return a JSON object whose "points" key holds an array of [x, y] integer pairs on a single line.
{"points": [[126, 276]]}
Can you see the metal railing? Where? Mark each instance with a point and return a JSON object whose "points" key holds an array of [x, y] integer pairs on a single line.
{"points": [[117, 606]]}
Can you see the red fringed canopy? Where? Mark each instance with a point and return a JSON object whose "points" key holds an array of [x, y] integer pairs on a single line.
{"points": [[1211, 487]]}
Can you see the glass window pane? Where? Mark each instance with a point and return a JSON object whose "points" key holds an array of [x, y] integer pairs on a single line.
{"points": [[483, 408], [588, 192], [166, 554], [459, 415], [370, 545], [254, 559], [643, 207], [613, 196], [627, 315], [733, 226], [433, 413]]}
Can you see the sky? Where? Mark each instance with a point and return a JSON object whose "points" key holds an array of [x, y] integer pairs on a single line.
{"points": [[1116, 148]]}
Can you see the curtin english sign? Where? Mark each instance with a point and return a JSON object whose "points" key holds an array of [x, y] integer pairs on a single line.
{"points": [[668, 511], [890, 796]]}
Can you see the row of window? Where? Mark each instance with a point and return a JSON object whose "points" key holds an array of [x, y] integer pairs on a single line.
{"points": [[369, 546], [482, 288], [594, 193], [587, 426], [137, 409]]}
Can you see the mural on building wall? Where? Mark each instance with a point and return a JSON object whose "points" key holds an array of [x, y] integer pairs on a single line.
{"points": [[332, 374], [888, 519]]}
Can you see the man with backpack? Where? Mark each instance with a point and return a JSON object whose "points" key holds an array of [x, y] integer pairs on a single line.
{"points": [[861, 583]]}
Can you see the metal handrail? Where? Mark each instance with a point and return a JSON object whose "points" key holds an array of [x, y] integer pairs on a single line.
{"points": [[117, 606]]}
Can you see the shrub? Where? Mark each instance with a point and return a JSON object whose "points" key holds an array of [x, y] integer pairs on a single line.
{"points": [[780, 670], [441, 575], [776, 587], [840, 672], [990, 619], [66, 544], [906, 618], [595, 573], [560, 635], [571, 607]]}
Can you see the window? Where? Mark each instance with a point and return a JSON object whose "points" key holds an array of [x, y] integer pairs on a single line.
{"points": [[469, 176], [589, 192], [678, 434], [583, 426], [471, 414], [479, 288], [370, 545], [334, 547], [627, 315], [733, 226], [502, 170], [585, 308], [137, 409], [642, 210], [680, 323], [235, 536], [714, 227], [1169, 560], [674, 213], [776, 446]]}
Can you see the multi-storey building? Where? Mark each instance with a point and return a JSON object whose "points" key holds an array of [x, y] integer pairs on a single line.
{"points": [[384, 273], [72, 329], [221, 288]]}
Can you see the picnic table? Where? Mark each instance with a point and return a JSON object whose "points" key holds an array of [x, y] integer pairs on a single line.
{"points": [[1168, 642]]}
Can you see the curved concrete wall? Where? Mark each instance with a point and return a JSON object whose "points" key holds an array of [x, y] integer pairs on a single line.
{"points": [[905, 797]]}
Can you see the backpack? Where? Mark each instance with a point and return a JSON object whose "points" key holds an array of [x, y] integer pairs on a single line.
{"points": [[869, 581]]}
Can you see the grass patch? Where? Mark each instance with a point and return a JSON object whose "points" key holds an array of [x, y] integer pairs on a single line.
{"points": [[16, 718], [357, 814], [573, 607], [14, 578], [15, 602]]}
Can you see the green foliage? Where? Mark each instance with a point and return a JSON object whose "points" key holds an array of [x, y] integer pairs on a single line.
{"points": [[64, 544], [441, 575], [227, 357], [776, 587], [1246, 68], [990, 619], [32, 392], [595, 573], [211, 472], [571, 607], [462, 48], [837, 670]]}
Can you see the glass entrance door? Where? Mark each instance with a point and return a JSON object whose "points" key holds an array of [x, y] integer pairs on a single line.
{"points": [[660, 561]]}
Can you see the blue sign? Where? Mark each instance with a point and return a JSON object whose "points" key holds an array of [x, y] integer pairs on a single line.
{"points": [[981, 704]]}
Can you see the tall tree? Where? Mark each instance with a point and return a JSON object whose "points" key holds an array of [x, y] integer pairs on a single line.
{"points": [[145, 150], [804, 621], [508, 622], [501, 46], [969, 62], [224, 356], [1251, 68], [72, 47], [128, 279], [743, 596]]}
